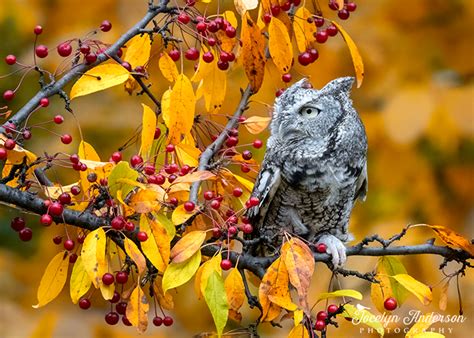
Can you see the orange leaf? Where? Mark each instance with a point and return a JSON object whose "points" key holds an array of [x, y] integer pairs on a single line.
{"points": [[137, 309], [135, 254], [147, 200], [199, 175], [234, 287], [256, 124], [253, 52], [299, 331], [187, 246], [452, 238], [356, 58], [157, 247], [300, 263]]}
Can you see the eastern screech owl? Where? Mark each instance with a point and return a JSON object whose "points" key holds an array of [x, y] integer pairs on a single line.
{"points": [[314, 169]]}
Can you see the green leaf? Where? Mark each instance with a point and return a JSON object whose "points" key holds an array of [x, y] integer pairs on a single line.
{"points": [[341, 293], [420, 290], [363, 316], [392, 266], [216, 299], [166, 223], [121, 171], [177, 274]]}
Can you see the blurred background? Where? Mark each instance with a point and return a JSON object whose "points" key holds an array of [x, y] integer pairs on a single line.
{"points": [[416, 103]]}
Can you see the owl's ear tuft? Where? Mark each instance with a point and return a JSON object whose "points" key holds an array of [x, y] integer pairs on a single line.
{"points": [[340, 85]]}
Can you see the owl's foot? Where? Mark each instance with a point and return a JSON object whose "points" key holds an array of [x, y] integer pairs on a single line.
{"points": [[335, 248]]}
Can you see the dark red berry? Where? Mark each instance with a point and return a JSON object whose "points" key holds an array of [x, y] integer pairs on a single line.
{"points": [[121, 277], [304, 58], [286, 6], [127, 66], [390, 304], [174, 54], [10, 59], [108, 278], [8, 95], [157, 321], [201, 26], [230, 32], [115, 298], [136, 160], [184, 18], [208, 195], [321, 36], [129, 226], [58, 119], [38, 30], [64, 198], [231, 141], [254, 201], [322, 315], [66, 139], [222, 65], [44, 102], [208, 57], [279, 92], [189, 206], [26, 134], [286, 77], [157, 134], [41, 51], [75, 190], [117, 223], [275, 9], [84, 303], [351, 6], [105, 26], [46, 220], [117, 156], [9, 144], [121, 308], [167, 321], [267, 17], [247, 154], [57, 240], [257, 143], [142, 236], [247, 228], [333, 5], [25, 234], [320, 325], [333, 308], [91, 57], [226, 264], [73, 258], [343, 14], [64, 49], [237, 192], [3, 154], [332, 30], [314, 54], [85, 49], [169, 148], [69, 244], [56, 209], [112, 318], [321, 248], [215, 204], [192, 54], [18, 223], [319, 22]]}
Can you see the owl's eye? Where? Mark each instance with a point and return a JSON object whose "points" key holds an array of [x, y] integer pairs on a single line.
{"points": [[309, 111]]}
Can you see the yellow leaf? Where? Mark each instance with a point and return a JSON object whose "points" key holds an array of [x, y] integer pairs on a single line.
{"points": [[80, 281], [256, 124], [89, 157], [216, 300], [137, 309], [245, 182], [231, 18], [135, 254], [422, 324], [214, 87], [300, 264], [99, 78], [420, 290], [234, 287], [168, 67], [304, 31], [214, 264], [187, 154], [299, 331], [16, 155], [53, 279], [94, 242], [280, 46], [356, 58], [199, 175], [165, 107], [187, 246], [147, 200], [46, 326], [452, 238], [241, 6], [428, 335], [165, 299], [363, 316], [138, 50], [165, 223], [253, 52], [157, 246], [181, 109], [148, 131], [107, 291], [340, 293], [177, 274], [298, 317], [121, 171]]}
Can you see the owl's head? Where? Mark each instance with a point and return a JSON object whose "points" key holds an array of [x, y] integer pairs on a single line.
{"points": [[302, 111]]}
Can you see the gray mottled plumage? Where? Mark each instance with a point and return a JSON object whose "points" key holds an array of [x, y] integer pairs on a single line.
{"points": [[314, 168]]}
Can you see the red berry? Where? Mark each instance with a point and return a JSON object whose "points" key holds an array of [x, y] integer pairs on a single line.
{"points": [[58, 119], [257, 144], [254, 201], [129, 226], [66, 139], [246, 154], [286, 6], [275, 9], [230, 32], [208, 195], [211, 42], [38, 30], [212, 27], [117, 223], [231, 141], [332, 30], [84, 303], [208, 57], [232, 230], [108, 278], [3, 154], [189, 206], [75, 190], [105, 26], [322, 315], [215, 204], [136, 160], [149, 169], [121, 277], [184, 18], [64, 49], [321, 248], [44, 102], [26, 134], [73, 258], [157, 134], [168, 321], [279, 92], [222, 65], [320, 325], [304, 58], [57, 240], [192, 54], [267, 17], [172, 178], [201, 26], [64, 198], [343, 14], [321, 36], [333, 308], [173, 201], [117, 156], [237, 192], [142, 236], [127, 66], [81, 238], [69, 244], [41, 51], [74, 158], [115, 298], [286, 77], [247, 228], [351, 6], [46, 220], [390, 304], [157, 321], [169, 148], [25, 234], [10, 59], [8, 95], [9, 144], [18, 223], [91, 57], [85, 49], [226, 264], [121, 308], [112, 318], [333, 5], [174, 54], [314, 54], [160, 179], [56, 209]]}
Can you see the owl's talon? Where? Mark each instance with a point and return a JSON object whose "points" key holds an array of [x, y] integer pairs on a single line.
{"points": [[335, 248]]}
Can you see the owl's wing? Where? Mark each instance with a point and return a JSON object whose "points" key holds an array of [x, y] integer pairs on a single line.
{"points": [[266, 185], [361, 184]]}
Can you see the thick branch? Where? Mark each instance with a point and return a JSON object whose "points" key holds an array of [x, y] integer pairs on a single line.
{"points": [[215, 146], [56, 86]]}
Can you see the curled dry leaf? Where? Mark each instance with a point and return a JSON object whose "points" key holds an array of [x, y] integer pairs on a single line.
{"points": [[452, 238], [242, 6]]}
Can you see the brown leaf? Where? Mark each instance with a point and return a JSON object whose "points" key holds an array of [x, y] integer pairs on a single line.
{"points": [[452, 238], [253, 52]]}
